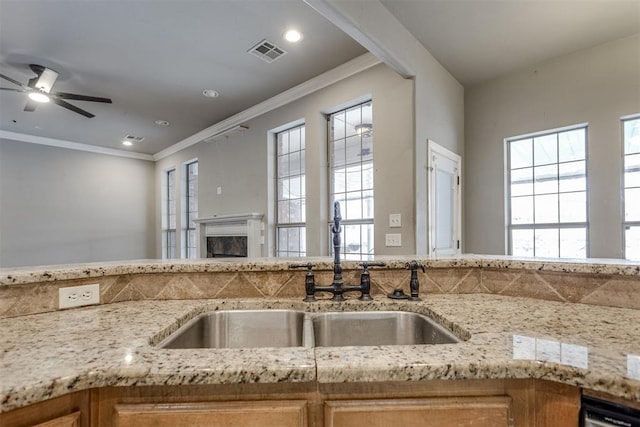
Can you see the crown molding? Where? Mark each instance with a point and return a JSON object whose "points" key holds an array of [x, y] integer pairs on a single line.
{"points": [[328, 78], [52, 142]]}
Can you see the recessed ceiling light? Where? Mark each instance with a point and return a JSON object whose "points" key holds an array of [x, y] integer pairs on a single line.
{"points": [[162, 122], [210, 93], [130, 139], [293, 36], [39, 96]]}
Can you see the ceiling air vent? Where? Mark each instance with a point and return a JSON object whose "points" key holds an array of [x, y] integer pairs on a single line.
{"points": [[267, 51], [131, 138]]}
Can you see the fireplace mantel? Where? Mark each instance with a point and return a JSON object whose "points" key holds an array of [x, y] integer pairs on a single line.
{"points": [[244, 224]]}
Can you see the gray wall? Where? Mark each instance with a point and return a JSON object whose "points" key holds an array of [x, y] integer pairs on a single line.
{"points": [[596, 86], [239, 164], [65, 206]]}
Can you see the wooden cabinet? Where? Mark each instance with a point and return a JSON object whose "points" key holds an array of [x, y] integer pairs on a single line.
{"points": [[71, 410], [443, 403], [71, 420], [287, 413], [441, 412]]}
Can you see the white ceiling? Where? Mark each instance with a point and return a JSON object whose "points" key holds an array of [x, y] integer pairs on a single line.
{"points": [[154, 58], [478, 40]]}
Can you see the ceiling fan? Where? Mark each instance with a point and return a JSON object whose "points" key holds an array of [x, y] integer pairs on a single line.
{"points": [[39, 90]]}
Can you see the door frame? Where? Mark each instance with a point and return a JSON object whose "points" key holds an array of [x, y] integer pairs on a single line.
{"points": [[424, 195]]}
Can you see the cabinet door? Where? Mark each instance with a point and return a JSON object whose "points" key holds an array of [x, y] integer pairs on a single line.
{"points": [[71, 420], [290, 413], [441, 412]]}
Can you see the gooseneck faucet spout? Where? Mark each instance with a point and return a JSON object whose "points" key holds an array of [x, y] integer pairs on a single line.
{"points": [[337, 288], [336, 229]]}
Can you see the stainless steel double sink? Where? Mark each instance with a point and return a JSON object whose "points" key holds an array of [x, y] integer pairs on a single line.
{"points": [[292, 328]]}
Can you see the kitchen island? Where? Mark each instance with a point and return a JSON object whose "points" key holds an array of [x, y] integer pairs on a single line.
{"points": [[509, 343]]}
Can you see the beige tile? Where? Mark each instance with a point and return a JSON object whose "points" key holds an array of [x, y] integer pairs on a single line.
{"points": [[573, 287], [238, 288], [180, 288], [528, 284], [618, 292], [470, 283], [292, 289], [268, 282], [109, 292], [447, 278], [151, 285], [210, 284], [494, 281], [388, 280]]}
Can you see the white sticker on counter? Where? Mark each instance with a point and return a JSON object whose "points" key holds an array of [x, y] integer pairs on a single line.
{"points": [[548, 351], [544, 350], [574, 355], [524, 348], [633, 366]]}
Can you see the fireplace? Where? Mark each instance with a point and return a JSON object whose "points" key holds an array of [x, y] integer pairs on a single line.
{"points": [[239, 235], [226, 246]]}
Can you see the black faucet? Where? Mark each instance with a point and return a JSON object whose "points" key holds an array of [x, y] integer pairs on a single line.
{"points": [[414, 284], [337, 287]]}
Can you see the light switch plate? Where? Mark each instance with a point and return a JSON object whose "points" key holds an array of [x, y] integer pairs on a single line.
{"points": [[393, 239], [395, 220]]}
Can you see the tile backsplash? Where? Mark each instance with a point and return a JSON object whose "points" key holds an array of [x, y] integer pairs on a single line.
{"points": [[596, 289]]}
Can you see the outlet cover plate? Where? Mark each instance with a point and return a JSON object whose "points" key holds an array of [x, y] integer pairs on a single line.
{"points": [[78, 296], [393, 239]]}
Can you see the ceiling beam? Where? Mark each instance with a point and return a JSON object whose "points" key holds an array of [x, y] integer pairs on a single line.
{"points": [[374, 27]]}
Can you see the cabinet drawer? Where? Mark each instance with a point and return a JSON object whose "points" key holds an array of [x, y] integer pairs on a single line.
{"points": [[289, 413], [441, 412]]}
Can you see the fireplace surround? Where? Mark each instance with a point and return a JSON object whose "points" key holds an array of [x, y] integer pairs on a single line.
{"points": [[229, 235]]}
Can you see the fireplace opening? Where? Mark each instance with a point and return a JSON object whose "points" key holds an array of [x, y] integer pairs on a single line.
{"points": [[226, 246]]}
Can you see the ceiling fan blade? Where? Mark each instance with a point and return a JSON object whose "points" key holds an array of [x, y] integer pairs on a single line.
{"points": [[12, 89], [30, 105], [73, 108], [63, 95], [15, 82]]}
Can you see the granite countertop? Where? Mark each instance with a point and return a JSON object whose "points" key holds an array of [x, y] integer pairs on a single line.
{"points": [[48, 355], [50, 273]]}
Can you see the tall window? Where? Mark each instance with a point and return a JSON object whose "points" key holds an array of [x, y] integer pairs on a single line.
{"points": [[548, 194], [169, 215], [632, 188], [291, 209], [191, 209], [351, 175]]}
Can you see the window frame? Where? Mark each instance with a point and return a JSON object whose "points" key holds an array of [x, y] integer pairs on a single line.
{"points": [[169, 205], [368, 222], [190, 252], [626, 225], [279, 225], [547, 225]]}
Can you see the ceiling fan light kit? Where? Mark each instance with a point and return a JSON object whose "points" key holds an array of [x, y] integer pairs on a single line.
{"points": [[38, 89], [39, 97]]}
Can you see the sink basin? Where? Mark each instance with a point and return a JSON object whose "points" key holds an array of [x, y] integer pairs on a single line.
{"points": [[241, 329], [378, 328]]}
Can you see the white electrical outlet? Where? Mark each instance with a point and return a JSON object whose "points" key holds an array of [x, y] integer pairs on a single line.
{"points": [[395, 220], [393, 239], [77, 296]]}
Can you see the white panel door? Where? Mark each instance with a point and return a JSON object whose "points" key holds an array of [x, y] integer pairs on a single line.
{"points": [[444, 200]]}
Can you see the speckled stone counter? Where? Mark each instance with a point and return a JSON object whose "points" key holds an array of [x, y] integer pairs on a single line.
{"points": [[32, 290], [51, 354], [50, 273]]}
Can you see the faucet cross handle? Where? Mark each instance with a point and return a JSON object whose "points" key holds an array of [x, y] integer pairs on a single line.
{"points": [[309, 281], [414, 284]]}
